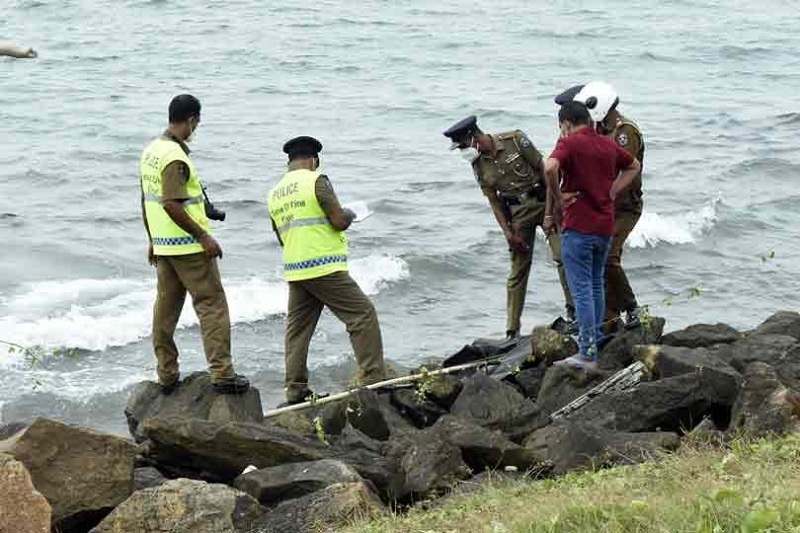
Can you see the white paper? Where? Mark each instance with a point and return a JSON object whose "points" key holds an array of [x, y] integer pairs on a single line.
{"points": [[361, 209]]}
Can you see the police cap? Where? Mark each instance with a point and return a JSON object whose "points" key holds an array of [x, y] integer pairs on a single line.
{"points": [[303, 146], [461, 130], [568, 95]]}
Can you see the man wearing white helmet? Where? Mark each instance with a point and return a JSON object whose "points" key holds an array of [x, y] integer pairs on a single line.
{"points": [[602, 99]]}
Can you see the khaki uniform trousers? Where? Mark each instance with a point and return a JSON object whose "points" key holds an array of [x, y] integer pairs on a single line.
{"points": [[200, 276], [342, 295], [619, 295], [524, 219]]}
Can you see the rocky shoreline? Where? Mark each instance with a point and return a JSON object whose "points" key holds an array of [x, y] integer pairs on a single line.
{"points": [[202, 462]]}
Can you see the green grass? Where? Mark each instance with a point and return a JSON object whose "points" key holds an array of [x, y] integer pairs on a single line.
{"points": [[744, 488]]}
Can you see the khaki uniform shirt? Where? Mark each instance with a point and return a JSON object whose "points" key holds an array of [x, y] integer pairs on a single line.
{"points": [[628, 136], [175, 175], [514, 169]]}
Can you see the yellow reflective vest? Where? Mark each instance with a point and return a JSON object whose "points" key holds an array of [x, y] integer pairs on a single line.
{"points": [[312, 248], [167, 237]]}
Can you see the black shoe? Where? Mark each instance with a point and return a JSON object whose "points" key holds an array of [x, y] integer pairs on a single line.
{"points": [[633, 318], [233, 385], [512, 335], [168, 389]]}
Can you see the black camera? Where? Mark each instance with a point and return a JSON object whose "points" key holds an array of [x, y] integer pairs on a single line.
{"points": [[211, 211]]}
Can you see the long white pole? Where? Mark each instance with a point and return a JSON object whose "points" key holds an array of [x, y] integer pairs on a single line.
{"points": [[380, 384]]}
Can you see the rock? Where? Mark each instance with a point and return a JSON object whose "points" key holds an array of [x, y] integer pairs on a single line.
{"points": [[184, 506], [353, 439], [82, 473], [430, 463], [765, 406], [768, 348], [561, 385], [566, 446], [618, 353], [669, 361], [193, 398], [147, 477], [529, 380], [415, 407], [330, 509], [443, 389], [670, 404], [489, 402], [707, 432], [702, 335], [782, 323], [548, 346], [272, 485], [366, 411], [22, 508], [220, 452], [482, 448], [300, 422]]}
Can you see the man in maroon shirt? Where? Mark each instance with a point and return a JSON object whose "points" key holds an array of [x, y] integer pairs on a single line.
{"points": [[594, 170]]}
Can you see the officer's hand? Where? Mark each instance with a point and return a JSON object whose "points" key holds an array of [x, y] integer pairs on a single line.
{"points": [[210, 246], [151, 257], [518, 244], [31, 53]]}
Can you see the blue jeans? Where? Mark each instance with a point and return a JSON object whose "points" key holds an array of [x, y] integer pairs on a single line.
{"points": [[584, 258]]}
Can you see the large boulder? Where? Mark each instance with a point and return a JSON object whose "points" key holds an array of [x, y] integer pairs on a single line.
{"points": [[22, 508], [561, 385], [330, 509], [184, 506], [781, 323], [765, 407], [529, 380], [669, 361], [549, 346], [272, 485], [702, 335], [367, 411], [193, 398], [413, 405], [430, 464], [489, 402], [768, 348], [619, 351], [675, 403], [82, 473], [566, 446], [482, 448], [220, 452], [147, 477]]}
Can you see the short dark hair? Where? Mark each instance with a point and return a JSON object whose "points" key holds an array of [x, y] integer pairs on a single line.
{"points": [[575, 113], [182, 107]]}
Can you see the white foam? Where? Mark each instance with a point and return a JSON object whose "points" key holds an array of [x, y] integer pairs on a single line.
{"points": [[95, 314], [682, 228]]}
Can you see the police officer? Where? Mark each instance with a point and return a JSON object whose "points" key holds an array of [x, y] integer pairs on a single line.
{"points": [[602, 100], [509, 171], [309, 223], [184, 252]]}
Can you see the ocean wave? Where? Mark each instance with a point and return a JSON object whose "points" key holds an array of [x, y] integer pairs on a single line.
{"points": [[682, 228], [96, 314]]}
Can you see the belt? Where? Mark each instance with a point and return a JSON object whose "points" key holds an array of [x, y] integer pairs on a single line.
{"points": [[518, 199]]}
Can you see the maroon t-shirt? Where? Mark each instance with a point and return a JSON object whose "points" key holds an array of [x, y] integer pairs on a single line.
{"points": [[590, 163]]}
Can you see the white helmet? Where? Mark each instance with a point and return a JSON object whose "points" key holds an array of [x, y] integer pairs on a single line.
{"points": [[599, 98]]}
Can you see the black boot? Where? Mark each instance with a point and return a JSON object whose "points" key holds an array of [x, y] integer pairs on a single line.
{"points": [[512, 335], [235, 384]]}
